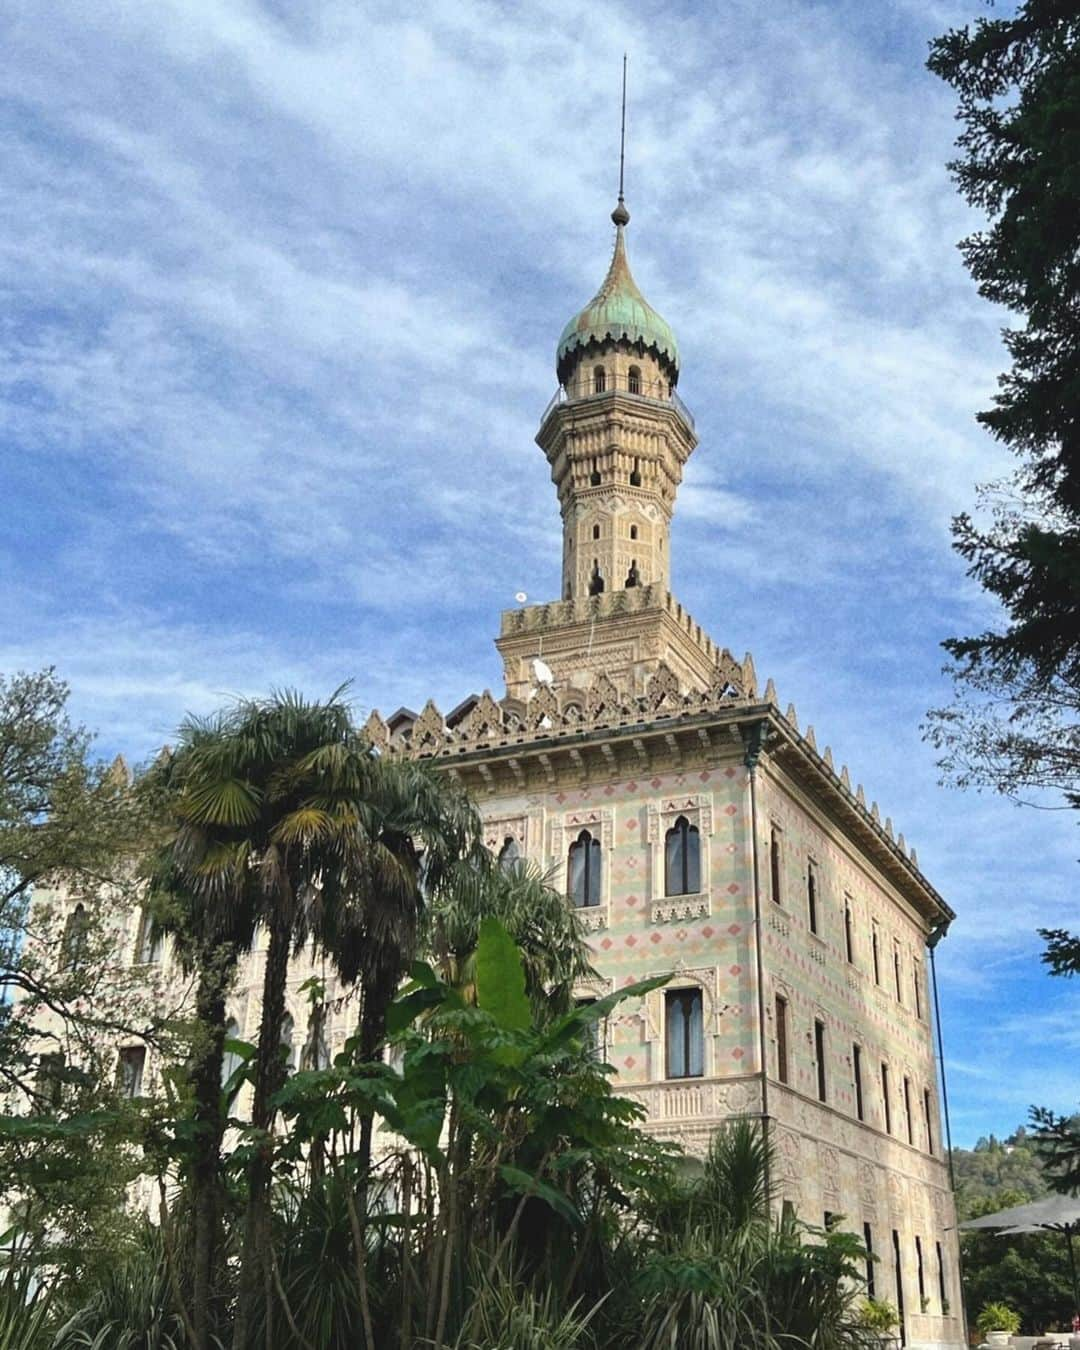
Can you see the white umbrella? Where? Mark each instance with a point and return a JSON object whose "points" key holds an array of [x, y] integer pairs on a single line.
{"points": [[1057, 1213]]}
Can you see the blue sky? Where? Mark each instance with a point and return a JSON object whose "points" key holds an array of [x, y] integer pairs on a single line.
{"points": [[281, 289]]}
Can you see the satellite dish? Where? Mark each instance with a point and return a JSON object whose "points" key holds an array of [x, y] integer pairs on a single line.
{"points": [[521, 597], [542, 672]]}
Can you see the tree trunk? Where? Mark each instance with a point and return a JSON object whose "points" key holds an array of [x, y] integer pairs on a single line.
{"points": [[210, 1126], [269, 1075]]}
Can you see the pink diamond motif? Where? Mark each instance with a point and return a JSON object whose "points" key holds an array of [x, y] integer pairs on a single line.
{"points": [[631, 901], [656, 782], [733, 889], [605, 943], [629, 1061], [737, 1052], [734, 929], [654, 938], [631, 824], [735, 970], [730, 810], [631, 941], [705, 775], [631, 786], [729, 773], [560, 796], [708, 931], [608, 790]]}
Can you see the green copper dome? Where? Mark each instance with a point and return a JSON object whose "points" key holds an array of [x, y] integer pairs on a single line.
{"points": [[618, 311]]}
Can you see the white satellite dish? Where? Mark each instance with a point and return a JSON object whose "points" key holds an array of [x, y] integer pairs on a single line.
{"points": [[520, 597], [542, 672]]}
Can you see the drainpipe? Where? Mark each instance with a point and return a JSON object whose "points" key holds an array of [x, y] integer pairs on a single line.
{"points": [[933, 938], [753, 744]]}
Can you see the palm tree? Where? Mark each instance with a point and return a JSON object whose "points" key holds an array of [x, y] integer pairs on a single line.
{"points": [[286, 816], [544, 926]]}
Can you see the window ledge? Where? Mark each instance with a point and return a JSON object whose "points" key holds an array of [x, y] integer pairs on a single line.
{"points": [[668, 908], [593, 917]]}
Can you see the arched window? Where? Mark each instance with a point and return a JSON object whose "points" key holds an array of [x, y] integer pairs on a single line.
{"points": [[76, 937], [149, 943], [509, 854], [633, 380], [633, 577], [231, 1060], [316, 1052], [599, 380], [682, 859], [685, 1033], [288, 1027], [633, 531], [596, 581], [583, 871], [635, 475], [596, 531]]}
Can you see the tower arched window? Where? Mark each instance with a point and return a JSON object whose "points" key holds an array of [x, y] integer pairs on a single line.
{"points": [[584, 871], [633, 577], [231, 1060], [633, 531], [509, 854], [76, 937], [599, 380], [682, 859], [635, 472], [288, 1030], [596, 531], [633, 380], [596, 581]]}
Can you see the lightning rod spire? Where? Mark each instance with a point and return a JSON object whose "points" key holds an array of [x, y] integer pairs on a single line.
{"points": [[621, 215]]}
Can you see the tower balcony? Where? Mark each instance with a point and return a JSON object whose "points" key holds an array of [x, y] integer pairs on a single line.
{"points": [[646, 391]]}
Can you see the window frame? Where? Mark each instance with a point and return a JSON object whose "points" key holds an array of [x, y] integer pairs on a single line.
{"points": [[591, 891], [820, 1051], [783, 1044], [812, 915], [695, 995], [689, 836], [856, 1076]]}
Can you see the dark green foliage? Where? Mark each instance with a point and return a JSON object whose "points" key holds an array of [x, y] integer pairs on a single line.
{"points": [[1029, 1272]]}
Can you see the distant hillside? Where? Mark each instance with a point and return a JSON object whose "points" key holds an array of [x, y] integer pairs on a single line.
{"points": [[996, 1173]]}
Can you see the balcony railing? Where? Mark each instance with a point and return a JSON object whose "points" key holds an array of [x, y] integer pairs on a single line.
{"points": [[655, 391]]}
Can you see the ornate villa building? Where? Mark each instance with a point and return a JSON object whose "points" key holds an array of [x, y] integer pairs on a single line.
{"points": [[700, 831]]}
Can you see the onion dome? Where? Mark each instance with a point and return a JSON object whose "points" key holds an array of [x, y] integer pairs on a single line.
{"points": [[618, 312]]}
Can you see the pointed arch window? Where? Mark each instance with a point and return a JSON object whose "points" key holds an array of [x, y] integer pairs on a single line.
{"points": [[596, 581], [633, 577], [682, 859], [149, 943], [685, 1033], [509, 854], [633, 380], [76, 937], [584, 871], [231, 1060], [599, 380]]}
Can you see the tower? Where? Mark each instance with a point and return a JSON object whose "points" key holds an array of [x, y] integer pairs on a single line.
{"points": [[616, 436]]}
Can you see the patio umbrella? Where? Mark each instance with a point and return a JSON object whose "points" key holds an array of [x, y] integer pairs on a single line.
{"points": [[1058, 1213]]}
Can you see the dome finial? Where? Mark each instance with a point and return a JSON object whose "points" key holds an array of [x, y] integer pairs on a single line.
{"points": [[621, 216]]}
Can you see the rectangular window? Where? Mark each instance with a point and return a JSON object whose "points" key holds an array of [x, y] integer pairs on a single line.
{"points": [[856, 1071], [885, 1104], [811, 896], [941, 1284], [849, 933], [819, 1053], [591, 1034], [781, 1039], [899, 1283], [774, 865], [896, 972], [907, 1111], [919, 1269], [875, 948], [916, 985], [928, 1119], [130, 1070], [685, 1033], [868, 1243]]}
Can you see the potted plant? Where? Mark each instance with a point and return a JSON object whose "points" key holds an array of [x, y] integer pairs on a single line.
{"points": [[879, 1316], [997, 1322]]}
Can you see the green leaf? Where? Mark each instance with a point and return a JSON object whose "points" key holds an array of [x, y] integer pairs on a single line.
{"points": [[524, 1184], [500, 978], [404, 1011], [423, 975]]}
